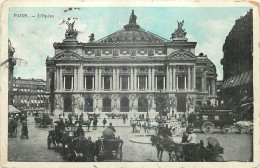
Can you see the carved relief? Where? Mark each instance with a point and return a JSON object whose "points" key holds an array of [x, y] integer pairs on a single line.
{"points": [[67, 57], [106, 69], [89, 70], [89, 52], [107, 52], [67, 70], [133, 52], [142, 52], [183, 56], [150, 52], [115, 53], [98, 53]]}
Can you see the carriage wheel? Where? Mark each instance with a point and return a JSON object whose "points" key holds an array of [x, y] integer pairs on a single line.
{"points": [[208, 127], [152, 131], [219, 158], [226, 129], [38, 124]]}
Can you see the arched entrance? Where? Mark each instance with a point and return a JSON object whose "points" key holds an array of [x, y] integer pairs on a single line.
{"points": [[181, 103], [142, 105], [88, 105], [106, 107], [67, 103], [124, 105]]}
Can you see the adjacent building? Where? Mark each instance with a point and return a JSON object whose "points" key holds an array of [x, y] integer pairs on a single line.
{"points": [[237, 88], [127, 71], [29, 94]]}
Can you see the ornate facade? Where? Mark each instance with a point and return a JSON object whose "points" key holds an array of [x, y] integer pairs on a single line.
{"points": [[126, 72]]}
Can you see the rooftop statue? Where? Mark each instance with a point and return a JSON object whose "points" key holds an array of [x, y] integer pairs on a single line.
{"points": [[180, 32], [133, 18], [70, 32], [91, 37]]}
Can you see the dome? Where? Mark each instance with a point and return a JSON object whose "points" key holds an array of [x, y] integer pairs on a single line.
{"points": [[132, 33]]}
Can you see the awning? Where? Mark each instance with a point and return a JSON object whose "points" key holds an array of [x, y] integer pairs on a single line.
{"points": [[241, 79], [12, 109]]}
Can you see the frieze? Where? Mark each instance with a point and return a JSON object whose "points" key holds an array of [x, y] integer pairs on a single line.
{"points": [[67, 57], [160, 51], [142, 69], [132, 52], [107, 52], [159, 69], [115, 53], [97, 53], [89, 70], [67, 70], [107, 70], [181, 56], [89, 52], [124, 52], [142, 52], [124, 70]]}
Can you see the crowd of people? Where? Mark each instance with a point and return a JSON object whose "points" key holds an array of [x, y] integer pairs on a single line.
{"points": [[13, 121]]}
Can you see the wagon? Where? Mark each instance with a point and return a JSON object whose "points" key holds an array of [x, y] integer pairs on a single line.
{"points": [[110, 149], [195, 153], [208, 120], [40, 123]]}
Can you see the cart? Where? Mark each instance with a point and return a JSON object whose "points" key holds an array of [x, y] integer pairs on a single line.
{"points": [[208, 120], [110, 149]]}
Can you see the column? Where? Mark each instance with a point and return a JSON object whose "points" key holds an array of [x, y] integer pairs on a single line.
{"points": [[114, 78], [137, 82], [155, 82], [96, 78], [177, 83], [110, 88], [128, 83], [146, 82], [203, 84], [132, 78], [152, 79], [55, 79], [164, 82], [64, 82], [149, 78], [102, 83], [61, 81], [75, 78], [174, 78], [93, 83], [194, 77], [213, 86], [120, 83], [185, 82], [99, 78], [167, 76], [189, 78], [85, 82], [72, 83], [117, 78], [58, 78], [80, 78], [170, 84]]}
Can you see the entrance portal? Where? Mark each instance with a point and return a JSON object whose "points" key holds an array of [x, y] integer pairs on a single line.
{"points": [[67, 103], [181, 103]]}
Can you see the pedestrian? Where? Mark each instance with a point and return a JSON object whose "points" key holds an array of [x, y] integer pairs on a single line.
{"points": [[104, 122], [145, 127], [95, 121], [80, 131], [124, 118], [88, 124], [192, 138], [133, 125], [24, 131], [111, 127], [142, 116]]}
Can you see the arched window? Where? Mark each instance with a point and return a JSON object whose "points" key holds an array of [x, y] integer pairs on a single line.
{"points": [[88, 105], [67, 104], [142, 105], [106, 105], [124, 105]]}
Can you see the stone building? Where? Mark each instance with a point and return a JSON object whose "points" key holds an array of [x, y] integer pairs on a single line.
{"points": [[127, 71], [29, 94]]}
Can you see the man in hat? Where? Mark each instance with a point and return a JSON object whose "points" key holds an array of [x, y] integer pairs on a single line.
{"points": [[192, 138]]}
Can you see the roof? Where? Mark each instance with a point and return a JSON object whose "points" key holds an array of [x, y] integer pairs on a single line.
{"points": [[241, 79], [13, 109], [132, 33]]}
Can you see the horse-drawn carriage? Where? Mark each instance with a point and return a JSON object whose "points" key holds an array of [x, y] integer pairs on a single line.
{"points": [[109, 149], [114, 115], [43, 122], [185, 152], [209, 119]]}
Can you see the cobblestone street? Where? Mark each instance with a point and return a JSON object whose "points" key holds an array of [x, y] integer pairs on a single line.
{"points": [[237, 147]]}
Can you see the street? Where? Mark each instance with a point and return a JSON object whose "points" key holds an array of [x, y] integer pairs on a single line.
{"points": [[237, 147]]}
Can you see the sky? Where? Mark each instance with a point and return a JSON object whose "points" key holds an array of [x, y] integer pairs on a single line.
{"points": [[33, 37]]}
